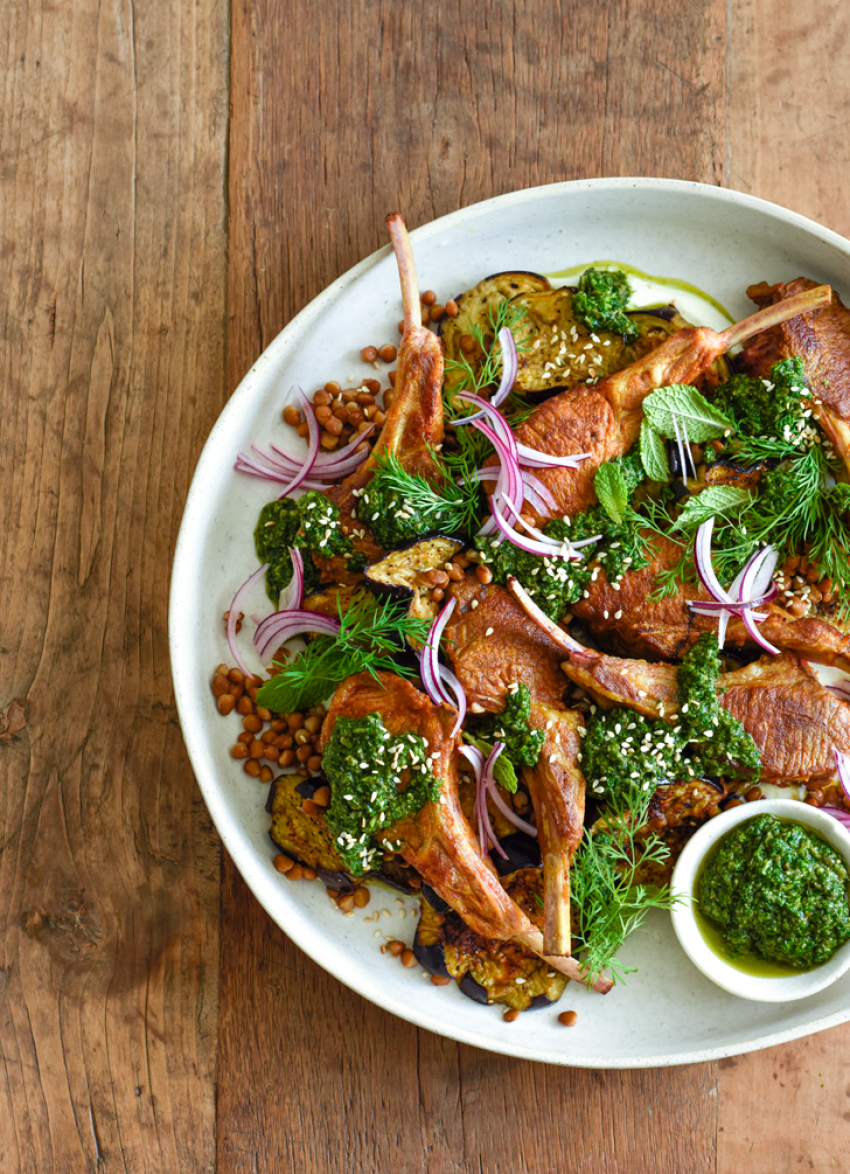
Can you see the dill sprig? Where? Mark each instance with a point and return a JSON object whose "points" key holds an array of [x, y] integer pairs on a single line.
{"points": [[476, 377], [453, 507], [371, 638], [608, 903]]}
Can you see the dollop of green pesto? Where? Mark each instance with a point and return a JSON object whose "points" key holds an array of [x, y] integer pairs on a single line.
{"points": [[553, 583], [623, 749], [392, 518], [522, 743], [772, 408], [719, 741], [311, 524], [600, 301], [376, 779], [777, 890]]}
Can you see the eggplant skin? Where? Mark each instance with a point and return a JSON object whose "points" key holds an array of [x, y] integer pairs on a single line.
{"points": [[475, 308], [487, 971], [398, 574], [675, 813]]}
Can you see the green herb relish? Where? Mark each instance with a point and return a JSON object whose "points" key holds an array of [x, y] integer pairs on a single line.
{"points": [[778, 891], [622, 748], [312, 525], [365, 766], [522, 744], [392, 517], [553, 583], [771, 408], [600, 301]]}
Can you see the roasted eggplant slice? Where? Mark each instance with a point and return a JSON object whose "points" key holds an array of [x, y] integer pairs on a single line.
{"points": [[477, 308], [490, 971], [401, 571], [675, 813], [738, 476], [306, 838]]}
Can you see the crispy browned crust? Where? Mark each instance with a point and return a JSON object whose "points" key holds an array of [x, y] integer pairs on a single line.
{"points": [[438, 841], [517, 650], [822, 340], [794, 720], [664, 629], [647, 687]]}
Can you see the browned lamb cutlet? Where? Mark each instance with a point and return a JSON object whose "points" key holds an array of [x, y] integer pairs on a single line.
{"points": [[414, 423], [821, 338], [494, 646], [438, 841], [557, 789], [629, 620], [795, 721], [605, 420]]}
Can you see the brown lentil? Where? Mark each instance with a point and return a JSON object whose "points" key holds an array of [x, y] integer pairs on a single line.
{"points": [[272, 753], [245, 705], [321, 399], [252, 723], [429, 297], [239, 751], [391, 376], [287, 758], [456, 573], [322, 796], [361, 897], [467, 343], [736, 802], [346, 902], [303, 430], [567, 1018], [329, 441], [440, 980], [220, 685], [282, 863], [437, 312], [388, 353], [236, 676], [303, 753], [252, 768], [483, 574], [245, 738], [511, 1016], [295, 873], [815, 798], [309, 873], [396, 948], [266, 773], [225, 704], [369, 354], [372, 386], [452, 308], [257, 749], [797, 608], [292, 415], [438, 595], [753, 794], [315, 762], [333, 387], [408, 958]]}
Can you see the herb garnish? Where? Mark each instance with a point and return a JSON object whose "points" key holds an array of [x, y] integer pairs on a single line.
{"points": [[371, 638], [310, 523], [607, 903], [600, 301], [522, 744], [487, 372], [397, 505]]}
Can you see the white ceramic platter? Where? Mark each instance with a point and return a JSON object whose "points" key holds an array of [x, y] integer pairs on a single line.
{"points": [[715, 239]]}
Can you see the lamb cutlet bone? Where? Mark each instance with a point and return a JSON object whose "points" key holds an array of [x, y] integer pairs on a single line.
{"points": [[414, 423], [438, 841], [605, 419], [794, 720]]}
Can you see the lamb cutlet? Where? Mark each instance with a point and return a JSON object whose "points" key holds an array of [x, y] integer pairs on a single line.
{"points": [[821, 338], [414, 423], [605, 420], [493, 647], [438, 841], [631, 621], [794, 720]]}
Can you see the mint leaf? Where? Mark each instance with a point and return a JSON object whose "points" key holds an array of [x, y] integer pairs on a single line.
{"points": [[717, 499], [653, 454], [503, 770], [612, 491], [701, 420]]}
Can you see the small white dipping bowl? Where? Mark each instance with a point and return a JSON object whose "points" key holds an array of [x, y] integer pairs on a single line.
{"points": [[749, 986]]}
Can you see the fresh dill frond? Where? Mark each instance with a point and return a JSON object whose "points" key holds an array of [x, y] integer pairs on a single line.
{"points": [[608, 903], [475, 377], [371, 638], [453, 507]]}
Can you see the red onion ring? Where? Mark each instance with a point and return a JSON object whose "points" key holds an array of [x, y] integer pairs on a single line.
{"points": [[750, 586], [233, 616], [284, 625], [842, 761], [429, 661], [293, 592], [460, 696], [843, 817], [543, 460], [510, 366]]}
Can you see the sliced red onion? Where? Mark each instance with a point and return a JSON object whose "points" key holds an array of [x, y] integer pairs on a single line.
{"points": [[460, 696], [546, 548], [751, 587], [838, 813], [284, 625], [713, 606], [292, 593], [313, 440], [429, 661], [757, 573], [494, 417], [510, 366], [544, 460], [245, 464], [560, 546], [704, 565], [535, 489], [488, 784], [686, 441], [841, 689], [679, 447], [233, 617], [842, 761], [509, 814]]}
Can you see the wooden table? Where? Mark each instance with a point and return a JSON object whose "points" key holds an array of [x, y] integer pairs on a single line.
{"points": [[176, 181]]}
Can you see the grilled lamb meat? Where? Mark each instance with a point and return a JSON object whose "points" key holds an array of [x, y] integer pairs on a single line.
{"points": [[605, 420], [631, 621], [414, 422], [821, 338], [438, 841], [517, 652], [557, 789]]}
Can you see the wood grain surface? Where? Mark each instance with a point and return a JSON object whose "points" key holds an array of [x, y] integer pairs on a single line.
{"points": [[153, 239]]}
